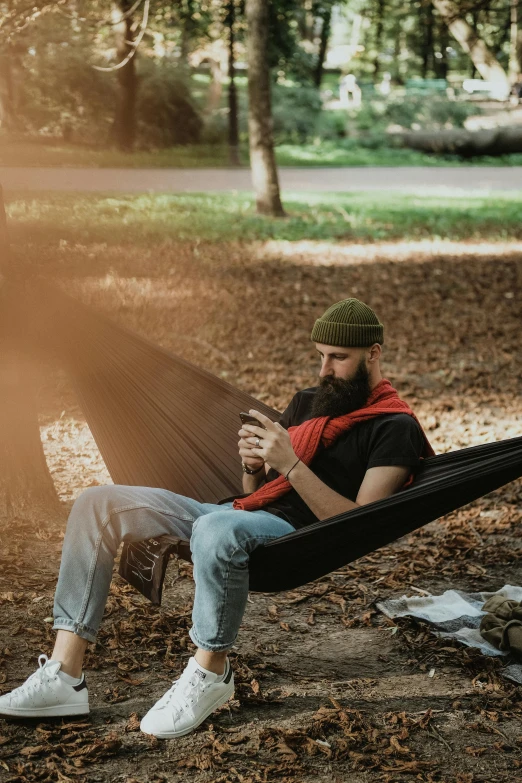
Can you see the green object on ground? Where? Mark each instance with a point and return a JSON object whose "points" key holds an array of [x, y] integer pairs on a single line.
{"points": [[502, 626], [426, 85]]}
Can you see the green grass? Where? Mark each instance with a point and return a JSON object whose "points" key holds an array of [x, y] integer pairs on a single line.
{"points": [[326, 153], [349, 153], [81, 219]]}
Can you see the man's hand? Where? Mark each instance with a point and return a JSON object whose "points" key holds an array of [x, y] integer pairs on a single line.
{"points": [[245, 450], [275, 446]]}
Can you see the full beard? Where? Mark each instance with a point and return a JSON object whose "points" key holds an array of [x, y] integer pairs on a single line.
{"points": [[337, 396]]}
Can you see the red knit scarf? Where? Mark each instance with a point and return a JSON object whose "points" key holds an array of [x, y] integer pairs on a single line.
{"points": [[307, 438]]}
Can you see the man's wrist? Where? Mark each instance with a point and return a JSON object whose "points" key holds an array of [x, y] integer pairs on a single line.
{"points": [[249, 471], [294, 465]]}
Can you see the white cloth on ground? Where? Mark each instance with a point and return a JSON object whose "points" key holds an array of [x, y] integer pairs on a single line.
{"points": [[455, 615]]}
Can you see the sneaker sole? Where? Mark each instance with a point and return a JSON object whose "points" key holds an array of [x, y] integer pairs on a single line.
{"points": [[61, 710], [172, 734]]}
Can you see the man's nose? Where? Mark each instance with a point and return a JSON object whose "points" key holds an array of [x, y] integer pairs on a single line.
{"points": [[325, 370]]}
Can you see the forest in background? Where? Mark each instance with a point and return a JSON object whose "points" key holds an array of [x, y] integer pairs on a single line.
{"points": [[148, 74]]}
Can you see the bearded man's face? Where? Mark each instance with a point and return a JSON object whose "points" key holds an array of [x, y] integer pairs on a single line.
{"points": [[337, 396]]}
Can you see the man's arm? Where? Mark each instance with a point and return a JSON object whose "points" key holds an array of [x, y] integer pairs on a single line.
{"points": [[379, 480], [253, 482], [378, 483]]}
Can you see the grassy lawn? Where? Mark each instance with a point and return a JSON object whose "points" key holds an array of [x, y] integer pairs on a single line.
{"points": [[350, 153], [321, 216], [326, 153]]}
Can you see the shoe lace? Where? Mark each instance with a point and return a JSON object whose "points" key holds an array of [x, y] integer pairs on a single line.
{"points": [[187, 691], [35, 681]]}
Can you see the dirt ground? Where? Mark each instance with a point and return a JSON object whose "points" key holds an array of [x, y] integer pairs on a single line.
{"points": [[327, 688]]}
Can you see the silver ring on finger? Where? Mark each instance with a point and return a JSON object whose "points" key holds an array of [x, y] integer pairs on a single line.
{"points": [[258, 443]]}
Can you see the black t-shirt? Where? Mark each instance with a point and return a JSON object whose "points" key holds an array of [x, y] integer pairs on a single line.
{"points": [[394, 439]]}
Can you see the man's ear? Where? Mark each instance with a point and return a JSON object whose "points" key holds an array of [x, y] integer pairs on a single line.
{"points": [[375, 352]]}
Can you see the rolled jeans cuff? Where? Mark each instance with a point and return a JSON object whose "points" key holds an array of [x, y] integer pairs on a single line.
{"points": [[85, 631], [209, 647]]}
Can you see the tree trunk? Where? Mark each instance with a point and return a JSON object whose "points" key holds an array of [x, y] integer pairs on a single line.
{"points": [[233, 122], [483, 60], [7, 92], [467, 144], [514, 68], [428, 54], [500, 37], [379, 28], [441, 63], [306, 21], [215, 90], [187, 9], [26, 489], [473, 73], [397, 50], [124, 128], [323, 45], [261, 142]]}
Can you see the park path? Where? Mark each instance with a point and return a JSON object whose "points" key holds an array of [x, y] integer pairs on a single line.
{"points": [[414, 179]]}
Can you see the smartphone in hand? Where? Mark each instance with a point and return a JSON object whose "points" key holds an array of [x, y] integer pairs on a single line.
{"points": [[246, 418]]}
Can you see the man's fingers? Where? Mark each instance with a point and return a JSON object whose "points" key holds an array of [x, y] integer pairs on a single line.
{"points": [[262, 418], [250, 452], [252, 430], [258, 415], [247, 442], [245, 433]]}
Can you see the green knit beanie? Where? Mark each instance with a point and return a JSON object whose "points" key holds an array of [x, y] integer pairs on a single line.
{"points": [[349, 323]]}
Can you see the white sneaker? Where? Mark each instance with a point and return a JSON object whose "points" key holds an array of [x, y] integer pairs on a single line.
{"points": [[45, 694], [191, 699]]}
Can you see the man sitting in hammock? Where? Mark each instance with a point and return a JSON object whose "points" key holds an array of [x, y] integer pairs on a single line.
{"points": [[348, 442]]}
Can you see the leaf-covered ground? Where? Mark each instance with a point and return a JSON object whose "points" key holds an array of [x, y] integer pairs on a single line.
{"points": [[327, 689]]}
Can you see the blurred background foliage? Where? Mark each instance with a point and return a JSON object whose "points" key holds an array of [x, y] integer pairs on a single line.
{"points": [[409, 72]]}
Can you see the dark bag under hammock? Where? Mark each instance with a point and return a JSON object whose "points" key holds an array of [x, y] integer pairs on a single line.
{"points": [[160, 421]]}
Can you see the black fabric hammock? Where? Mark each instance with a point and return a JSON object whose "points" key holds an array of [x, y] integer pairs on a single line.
{"points": [[160, 421]]}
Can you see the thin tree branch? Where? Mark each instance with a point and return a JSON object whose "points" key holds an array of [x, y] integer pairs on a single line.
{"points": [[97, 22], [134, 44], [126, 15]]}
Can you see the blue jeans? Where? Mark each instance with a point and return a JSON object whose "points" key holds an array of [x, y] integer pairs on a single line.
{"points": [[221, 540]]}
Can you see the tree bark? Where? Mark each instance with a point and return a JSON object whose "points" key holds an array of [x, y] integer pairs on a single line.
{"points": [[514, 66], [260, 124], [26, 489], [124, 127], [427, 22], [7, 91], [215, 90], [397, 58], [379, 29], [473, 73], [323, 45], [483, 60], [233, 121], [440, 64], [306, 21], [187, 8]]}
